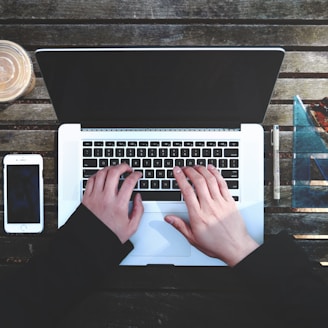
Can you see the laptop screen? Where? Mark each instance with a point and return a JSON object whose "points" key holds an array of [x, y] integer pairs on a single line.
{"points": [[160, 87]]}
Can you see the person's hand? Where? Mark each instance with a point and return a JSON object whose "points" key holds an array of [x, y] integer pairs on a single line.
{"points": [[215, 225], [110, 204]]}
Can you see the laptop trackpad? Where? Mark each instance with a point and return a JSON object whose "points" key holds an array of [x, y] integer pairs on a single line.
{"points": [[155, 237]]}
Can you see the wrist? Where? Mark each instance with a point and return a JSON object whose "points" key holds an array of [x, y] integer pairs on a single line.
{"points": [[248, 246]]}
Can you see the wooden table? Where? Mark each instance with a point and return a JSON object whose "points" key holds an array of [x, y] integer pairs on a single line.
{"points": [[155, 296]]}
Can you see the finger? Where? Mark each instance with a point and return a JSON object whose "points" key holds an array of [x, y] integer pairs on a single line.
{"points": [[182, 226], [99, 179], [128, 185], [136, 213], [113, 178], [89, 187], [187, 190], [210, 180], [222, 184], [199, 182]]}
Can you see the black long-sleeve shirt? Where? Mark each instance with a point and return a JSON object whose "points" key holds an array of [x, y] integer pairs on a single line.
{"points": [[85, 251]]}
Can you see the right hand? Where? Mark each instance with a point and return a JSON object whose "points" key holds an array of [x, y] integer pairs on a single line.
{"points": [[215, 225]]}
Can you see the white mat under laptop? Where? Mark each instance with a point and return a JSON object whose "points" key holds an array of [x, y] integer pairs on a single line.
{"points": [[156, 108]]}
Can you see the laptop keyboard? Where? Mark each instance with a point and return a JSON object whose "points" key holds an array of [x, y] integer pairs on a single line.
{"points": [[156, 159]]}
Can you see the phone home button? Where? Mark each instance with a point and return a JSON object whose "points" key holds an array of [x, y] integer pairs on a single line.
{"points": [[23, 227]]}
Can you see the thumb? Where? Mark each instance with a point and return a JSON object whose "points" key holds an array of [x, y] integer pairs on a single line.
{"points": [[182, 226], [137, 212]]}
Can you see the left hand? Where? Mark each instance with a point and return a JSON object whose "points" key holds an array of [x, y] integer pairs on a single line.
{"points": [[110, 204]]}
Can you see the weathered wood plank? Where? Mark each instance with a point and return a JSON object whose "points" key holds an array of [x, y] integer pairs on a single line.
{"points": [[297, 223], [45, 35], [171, 9], [27, 140], [26, 114]]}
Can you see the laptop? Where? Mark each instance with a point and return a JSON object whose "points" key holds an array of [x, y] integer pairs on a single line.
{"points": [[156, 108]]}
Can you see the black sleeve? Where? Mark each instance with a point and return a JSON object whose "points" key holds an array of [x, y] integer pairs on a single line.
{"points": [[280, 273], [83, 252]]}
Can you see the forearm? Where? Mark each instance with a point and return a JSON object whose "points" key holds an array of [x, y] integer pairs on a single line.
{"points": [[281, 273], [83, 252]]}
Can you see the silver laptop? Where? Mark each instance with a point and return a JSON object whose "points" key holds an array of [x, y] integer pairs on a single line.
{"points": [[156, 108]]}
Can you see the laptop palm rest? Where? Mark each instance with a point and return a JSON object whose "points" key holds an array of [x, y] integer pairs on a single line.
{"points": [[162, 240]]}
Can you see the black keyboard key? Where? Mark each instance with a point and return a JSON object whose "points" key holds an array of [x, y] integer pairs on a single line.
{"points": [[125, 160], [229, 174], [210, 143], [130, 152], [110, 143], [195, 152], [185, 152], [212, 161], [166, 184], [141, 152], [174, 152], [201, 161], [234, 163], [232, 184], [163, 152], [87, 152], [109, 152], [159, 195], [88, 173], [217, 152], [200, 143], [152, 152], [179, 162], [158, 162], [114, 161], [154, 143], [190, 162], [103, 162], [177, 143], [154, 184], [223, 163], [222, 144], [136, 162], [168, 163], [231, 152], [146, 162], [87, 143], [98, 152], [143, 143], [149, 174], [121, 143], [119, 152], [132, 144], [144, 184], [99, 143], [90, 162], [169, 174], [160, 174], [207, 152], [233, 144]]}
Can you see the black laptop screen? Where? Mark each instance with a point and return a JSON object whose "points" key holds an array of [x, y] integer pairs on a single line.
{"points": [[160, 87]]}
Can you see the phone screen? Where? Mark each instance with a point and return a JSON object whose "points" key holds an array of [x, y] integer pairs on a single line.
{"points": [[23, 189]]}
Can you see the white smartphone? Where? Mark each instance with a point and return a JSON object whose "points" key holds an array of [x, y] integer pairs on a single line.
{"points": [[23, 193]]}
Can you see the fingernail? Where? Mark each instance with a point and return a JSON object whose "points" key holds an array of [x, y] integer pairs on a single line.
{"points": [[169, 219], [177, 169]]}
